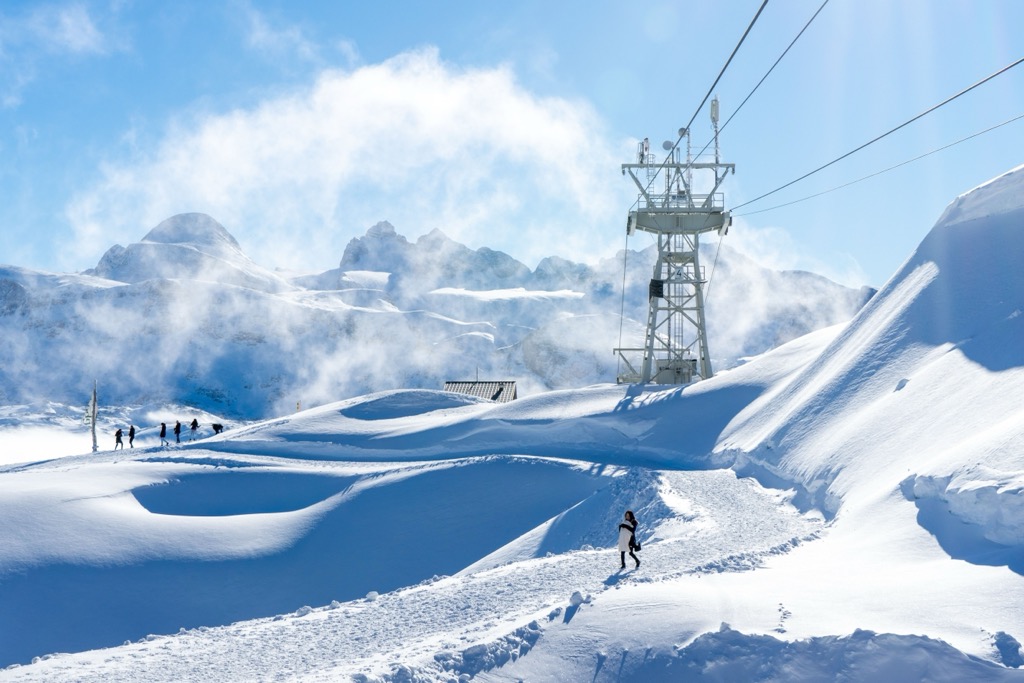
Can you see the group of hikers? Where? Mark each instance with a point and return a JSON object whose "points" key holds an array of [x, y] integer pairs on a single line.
{"points": [[131, 437], [119, 434]]}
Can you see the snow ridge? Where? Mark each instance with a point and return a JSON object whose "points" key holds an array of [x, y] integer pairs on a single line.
{"points": [[843, 507]]}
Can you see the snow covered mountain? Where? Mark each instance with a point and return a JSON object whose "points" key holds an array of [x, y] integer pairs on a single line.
{"points": [[844, 507], [189, 246], [184, 316]]}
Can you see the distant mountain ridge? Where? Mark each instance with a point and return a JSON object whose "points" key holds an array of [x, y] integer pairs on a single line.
{"points": [[185, 315], [190, 246], [433, 260]]}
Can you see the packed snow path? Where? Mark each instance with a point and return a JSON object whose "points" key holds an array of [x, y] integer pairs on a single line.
{"points": [[708, 521]]}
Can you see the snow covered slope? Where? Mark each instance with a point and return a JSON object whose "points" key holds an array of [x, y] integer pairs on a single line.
{"points": [[932, 367], [843, 507]]}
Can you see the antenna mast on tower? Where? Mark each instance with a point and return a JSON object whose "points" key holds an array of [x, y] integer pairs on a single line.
{"points": [[675, 348]]}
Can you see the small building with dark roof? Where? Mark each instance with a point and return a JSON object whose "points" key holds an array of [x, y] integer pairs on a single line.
{"points": [[499, 392]]}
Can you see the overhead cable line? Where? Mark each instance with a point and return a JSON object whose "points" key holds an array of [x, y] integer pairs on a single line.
{"points": [[692, 119], [707, 290], [622, 303], [768, 73], [886, 170], [763, 78], [887, 133], [707, 95], [725, 66]]}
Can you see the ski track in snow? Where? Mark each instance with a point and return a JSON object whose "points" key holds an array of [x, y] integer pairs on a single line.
{"points": [[730, 524]]}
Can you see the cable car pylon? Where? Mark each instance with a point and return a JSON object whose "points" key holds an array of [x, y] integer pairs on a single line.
{"points": [[675, 347]]}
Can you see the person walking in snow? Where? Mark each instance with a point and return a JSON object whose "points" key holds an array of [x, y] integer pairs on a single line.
{"points": [[194, 426], [627, 539], [117, 439], [163, 434], [131, 437], [177, 431]]}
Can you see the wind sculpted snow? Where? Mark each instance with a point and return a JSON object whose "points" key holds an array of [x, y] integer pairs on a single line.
{"points": [[843, 507], [928, 367], [729, 524]]}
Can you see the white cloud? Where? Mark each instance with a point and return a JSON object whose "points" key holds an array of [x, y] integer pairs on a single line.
{"points": [[13, 82], [66, 29], [25, 135], [349, 52], [774, 247], [276, 41], [411, 140], [47, 30]]}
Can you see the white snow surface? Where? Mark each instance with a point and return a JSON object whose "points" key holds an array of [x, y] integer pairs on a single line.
{"points": [[844, 507], [507, 294]]}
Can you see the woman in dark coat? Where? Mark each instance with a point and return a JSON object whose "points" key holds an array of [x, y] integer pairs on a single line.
{"points": [[627, 538]]}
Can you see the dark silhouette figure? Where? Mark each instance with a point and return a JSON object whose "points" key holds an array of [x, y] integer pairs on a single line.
{"points": [[627, 539], [131, 437], [177, 431], [163, 434], [117, 439], [194, 426], [217, 428]]}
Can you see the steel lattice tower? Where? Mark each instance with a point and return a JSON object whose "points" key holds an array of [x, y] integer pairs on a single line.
{"points": [[676, 344]]}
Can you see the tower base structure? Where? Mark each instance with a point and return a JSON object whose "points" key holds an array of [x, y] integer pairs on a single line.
{"points": [[675, 349]]}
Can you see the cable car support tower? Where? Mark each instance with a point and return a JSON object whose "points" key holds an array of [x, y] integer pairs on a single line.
{"points": [[675, 347]]}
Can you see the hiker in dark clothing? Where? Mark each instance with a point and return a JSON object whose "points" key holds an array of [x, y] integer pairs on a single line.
{"points": [[117, 439], [177, 431], [194, 426], [627, 539], [163, 434], [131, 437]]}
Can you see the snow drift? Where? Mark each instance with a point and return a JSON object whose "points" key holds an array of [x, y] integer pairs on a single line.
{"points": [[843, 507]]}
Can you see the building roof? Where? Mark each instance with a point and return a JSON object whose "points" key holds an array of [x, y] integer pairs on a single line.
{"points": [[501, 391]]}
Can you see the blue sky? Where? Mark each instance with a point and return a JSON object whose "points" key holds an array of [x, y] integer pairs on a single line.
{"points": [[299, 125]]}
